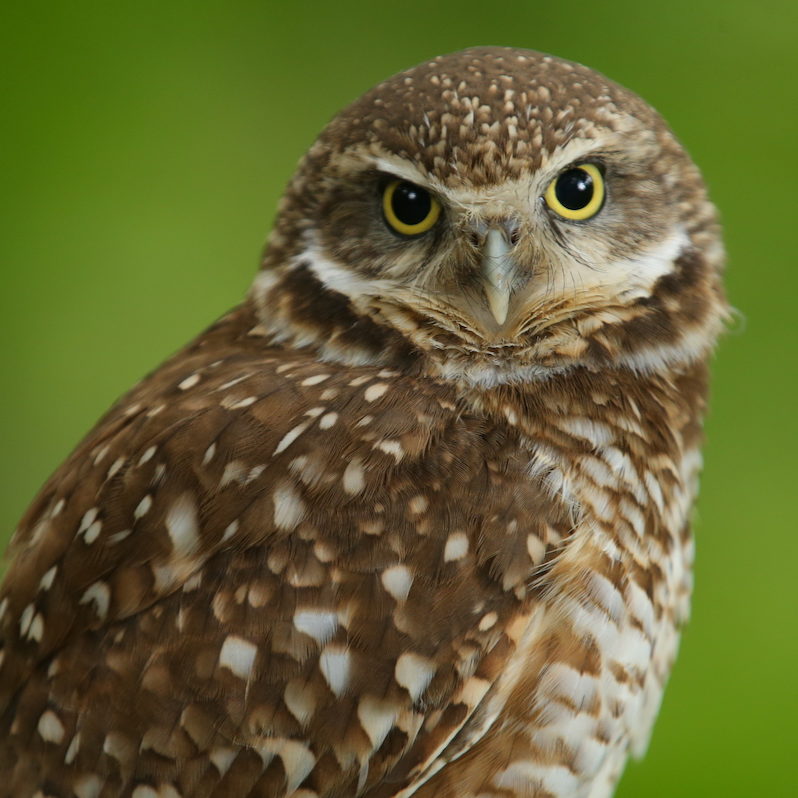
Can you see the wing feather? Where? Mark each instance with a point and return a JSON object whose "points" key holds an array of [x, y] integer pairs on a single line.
{"points": [[260, 572]]}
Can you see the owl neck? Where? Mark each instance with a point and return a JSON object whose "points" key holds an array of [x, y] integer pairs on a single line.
{"points": [[651, 417], [291, 308]]}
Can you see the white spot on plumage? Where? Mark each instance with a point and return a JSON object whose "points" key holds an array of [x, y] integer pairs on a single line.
{"points": [[46, 582], [564, 682], [289, 509], [148, 455], [606, 595], [143, 507], [254, 473], [235, 381], [300, 700], [93, 532], [41, 529], [25, 619], [392, 447], [328, 420], [472, 691], [209, 454], [377, 718], [88, 519], [36, 631], [488, 621], [397, 580], [599, 472], [238, 655], [230, 530], [594, 432], [591, 754], [115, 467], [335, 664], [193, 582], [99, 454], [310, 470], [50, 728], [456, 547], [640, 607], [182, 525], [318, 624], [234, 471], [654, 490], [523, 776], [620, 463], [353, 479], [72, 749], [536, 548], [118, 746], [100, 594], [221, 758], [631, 512], [374, 392], [239, 404], [417, 505], [315, 379], [297, 759], [189, 382], [89, 785], [291, 436], [414, 673]]}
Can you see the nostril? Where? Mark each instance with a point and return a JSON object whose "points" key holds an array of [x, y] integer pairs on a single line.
{"points": [[515, 237], [475, 239]]}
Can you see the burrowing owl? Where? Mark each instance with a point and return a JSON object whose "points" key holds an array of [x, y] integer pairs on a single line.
{"points": [[413, 519]]}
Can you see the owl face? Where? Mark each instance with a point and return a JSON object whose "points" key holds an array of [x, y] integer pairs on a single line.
{"points": [[495, 216]]}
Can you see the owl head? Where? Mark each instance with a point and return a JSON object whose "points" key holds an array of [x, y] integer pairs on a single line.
{"points": [[495, 216]]}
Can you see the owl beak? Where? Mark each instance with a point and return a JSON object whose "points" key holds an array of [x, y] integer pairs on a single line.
{"points": [[497, 273]]}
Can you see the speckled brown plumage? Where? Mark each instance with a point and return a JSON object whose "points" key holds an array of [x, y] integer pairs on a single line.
{"points": [[365, 536]]}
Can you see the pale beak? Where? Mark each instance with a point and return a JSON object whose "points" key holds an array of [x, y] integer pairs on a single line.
{"points": [[497, 273]]}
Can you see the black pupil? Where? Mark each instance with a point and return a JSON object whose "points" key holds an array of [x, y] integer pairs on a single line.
{"points": [[410, 203], [574, 189]]}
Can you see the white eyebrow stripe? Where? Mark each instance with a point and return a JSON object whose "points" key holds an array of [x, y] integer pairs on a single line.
{"points": [[403, 169]]}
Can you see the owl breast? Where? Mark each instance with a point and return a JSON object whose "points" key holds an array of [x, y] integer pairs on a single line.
{"points": [[583, 686]]}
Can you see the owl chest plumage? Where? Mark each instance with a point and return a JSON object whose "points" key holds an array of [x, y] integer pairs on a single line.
{"points": [[368, 583], [583, 685]]}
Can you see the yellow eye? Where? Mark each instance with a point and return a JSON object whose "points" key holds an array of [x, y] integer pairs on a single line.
{"points": [[408, 208], [577, 193]]}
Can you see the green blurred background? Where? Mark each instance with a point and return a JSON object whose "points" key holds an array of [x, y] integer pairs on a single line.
{"points": [[143, 148]]}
